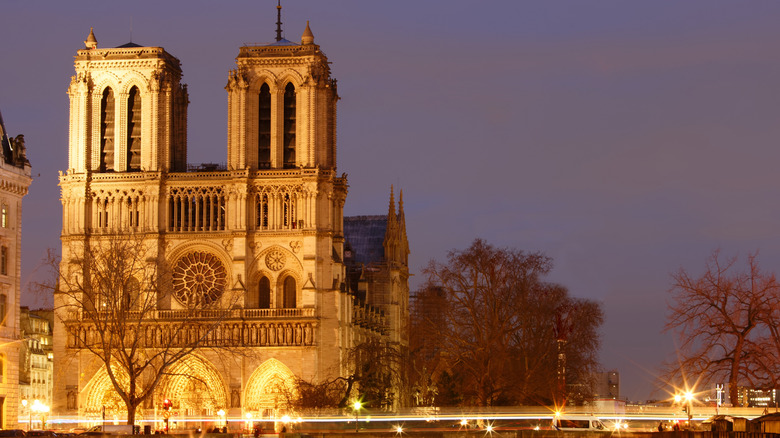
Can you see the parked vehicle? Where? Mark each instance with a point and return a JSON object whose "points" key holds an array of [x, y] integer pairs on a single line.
{"points": [[578, 422], [12, 433], [112, 429], [42, 433]]}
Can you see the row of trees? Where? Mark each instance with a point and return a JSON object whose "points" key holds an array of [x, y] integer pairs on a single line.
{"points": [[727, 321], [488, 330]]}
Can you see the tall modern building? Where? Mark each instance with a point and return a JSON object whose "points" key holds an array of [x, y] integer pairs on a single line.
{"points": [[14, 182], [262, 236]]}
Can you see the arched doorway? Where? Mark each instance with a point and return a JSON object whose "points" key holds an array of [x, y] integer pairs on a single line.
{"points": [[102, 399], [196, 391], [269, 390]]}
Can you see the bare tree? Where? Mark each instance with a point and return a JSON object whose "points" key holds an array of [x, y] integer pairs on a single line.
{"points": [[108, 294], [718, 318], [375, 370], [498, 333]]}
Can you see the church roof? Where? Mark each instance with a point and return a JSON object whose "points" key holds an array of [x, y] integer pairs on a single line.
{"points": [[283, 42], [365, 235], [129, 45]]}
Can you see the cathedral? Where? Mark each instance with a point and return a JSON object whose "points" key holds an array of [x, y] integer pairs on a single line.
{"points": [[262, 237]]}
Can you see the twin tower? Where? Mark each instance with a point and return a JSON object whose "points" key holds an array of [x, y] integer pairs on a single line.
{"points": [[267, 228]]}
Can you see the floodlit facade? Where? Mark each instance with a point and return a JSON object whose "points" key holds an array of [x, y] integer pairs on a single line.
{"points": [[14, 182], [263, 236], [36, 362]]}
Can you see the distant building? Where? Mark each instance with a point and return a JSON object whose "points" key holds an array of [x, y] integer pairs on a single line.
{"points": [[36, 358], [606, 385], [14, 182]]}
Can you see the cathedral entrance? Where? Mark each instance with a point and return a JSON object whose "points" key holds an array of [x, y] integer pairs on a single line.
{"points": [[269, 391], [102, 403], [197, 394]]}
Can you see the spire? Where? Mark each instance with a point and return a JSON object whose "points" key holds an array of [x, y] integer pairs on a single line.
{"points": [[391, 209], [308, 37], [391, 232], [279, 20], [404, 240], [91, 42]]}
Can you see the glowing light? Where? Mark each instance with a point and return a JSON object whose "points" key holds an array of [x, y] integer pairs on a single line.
{"points": [[399, 429], [464, 422], [357, 405], [221, 413], [286, 419], [489, 428], [248, 415]]}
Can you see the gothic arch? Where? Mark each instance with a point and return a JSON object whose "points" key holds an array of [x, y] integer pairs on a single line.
{"points": [[203, 245], [107, 79], [195, 386], [269, 387], [259, 265], [262, 77], [100, 393], [289, 76], [134, 79]]}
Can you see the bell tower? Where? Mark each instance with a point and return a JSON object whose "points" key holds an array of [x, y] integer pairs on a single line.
{"points": [[127, 110], [282, 107]]}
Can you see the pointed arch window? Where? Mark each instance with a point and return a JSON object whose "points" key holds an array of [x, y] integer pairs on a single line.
{"points": [[264, 293], [107, 131], [134, 130], [262, 211], [264, 129], [288, 298], [131, 298], [288, 212], [289, 125]]}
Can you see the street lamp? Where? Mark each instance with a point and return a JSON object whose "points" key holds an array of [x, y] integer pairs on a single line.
{"points": [[356, 407], [688, 398], [39, 408]]}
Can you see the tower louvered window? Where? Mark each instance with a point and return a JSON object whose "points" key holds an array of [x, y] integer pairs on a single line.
{"points": [[107, 131], [134, 130], [289, 126], [264, 129]]}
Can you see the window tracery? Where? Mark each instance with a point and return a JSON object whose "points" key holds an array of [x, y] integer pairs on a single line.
{"points": [[198, 278], [196, 209]]}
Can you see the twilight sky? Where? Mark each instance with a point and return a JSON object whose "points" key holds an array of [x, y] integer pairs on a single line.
{"points": [[623, 139]]}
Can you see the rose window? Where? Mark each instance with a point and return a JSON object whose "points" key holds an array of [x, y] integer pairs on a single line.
{"points": [[198, 278]]}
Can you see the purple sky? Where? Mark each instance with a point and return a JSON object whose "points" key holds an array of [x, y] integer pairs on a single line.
{"points": [[623, 139]]}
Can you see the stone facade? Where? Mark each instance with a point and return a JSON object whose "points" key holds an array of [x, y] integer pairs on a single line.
{"points": [[14, 182], [35, 362], [262, 236]]}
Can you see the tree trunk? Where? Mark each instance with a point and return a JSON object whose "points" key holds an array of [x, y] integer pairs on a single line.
{"points": [[131, 408]]}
